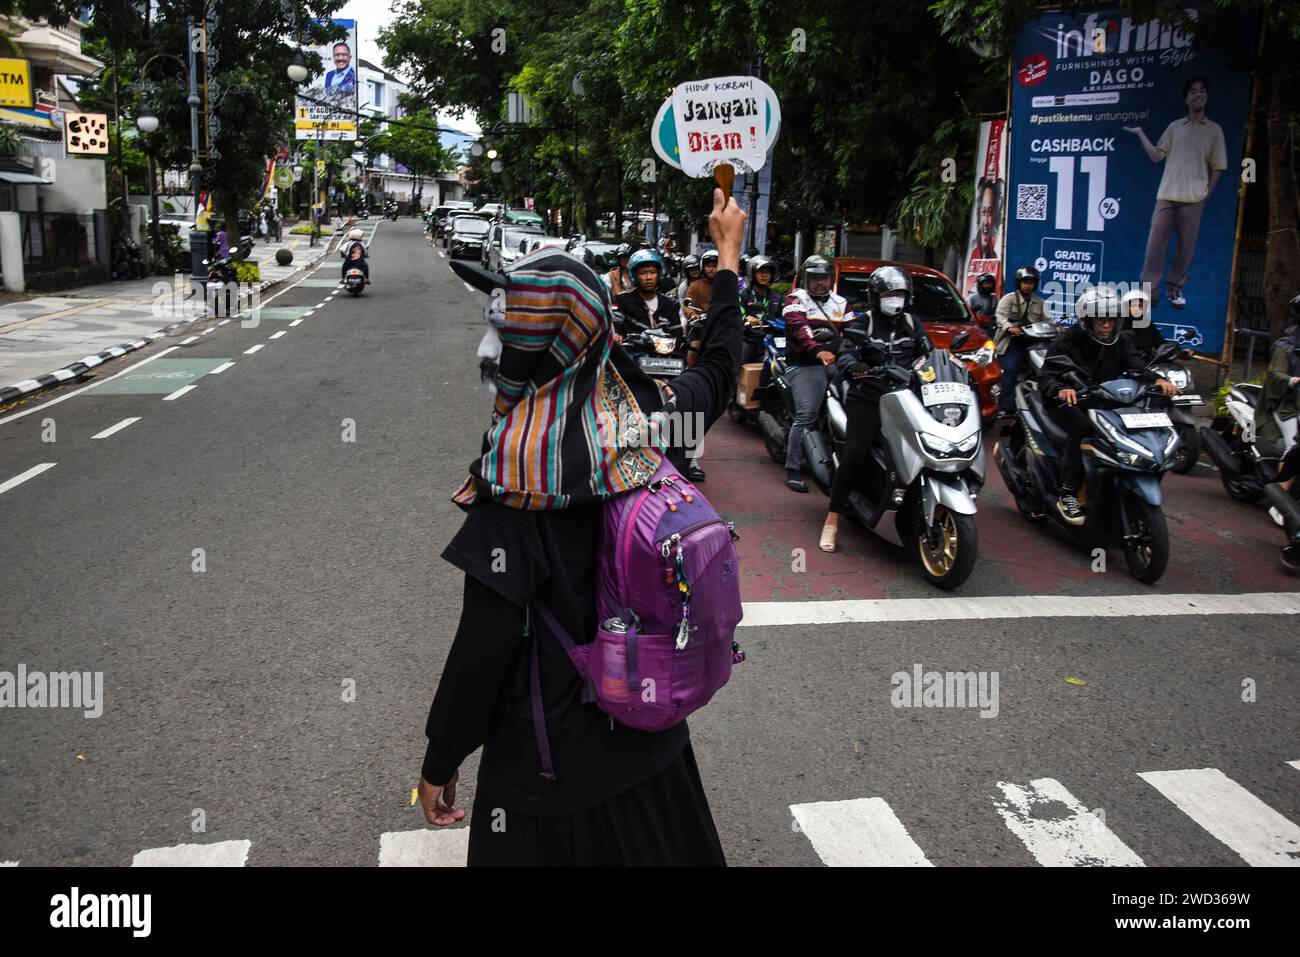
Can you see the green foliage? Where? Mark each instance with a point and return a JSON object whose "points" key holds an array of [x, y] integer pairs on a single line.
{"points": [[304, 229], [1221, 394]]}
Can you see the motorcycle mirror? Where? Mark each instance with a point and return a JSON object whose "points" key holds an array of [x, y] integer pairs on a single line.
{"points": [[1166, 350], [960, 340]]}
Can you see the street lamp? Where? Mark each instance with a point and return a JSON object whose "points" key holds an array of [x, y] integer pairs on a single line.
{"points": [[497, 166], [476, 149], [492, 154], [147, 121], [297, 68]]}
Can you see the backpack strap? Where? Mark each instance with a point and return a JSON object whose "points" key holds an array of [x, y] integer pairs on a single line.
{"points": [[535, 680]]}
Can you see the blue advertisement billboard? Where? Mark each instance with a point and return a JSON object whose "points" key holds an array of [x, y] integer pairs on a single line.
{"points": [[1126, 157]]}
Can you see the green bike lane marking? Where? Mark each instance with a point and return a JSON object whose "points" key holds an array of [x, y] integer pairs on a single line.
{"points": [[162, 377]]}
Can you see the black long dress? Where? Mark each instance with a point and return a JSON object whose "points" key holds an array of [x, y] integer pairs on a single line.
{"points": [[620, 796]]}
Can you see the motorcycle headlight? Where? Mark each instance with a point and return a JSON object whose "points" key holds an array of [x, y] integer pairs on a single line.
{"points": [[1119, 438], [943, 447], [664, 347]]}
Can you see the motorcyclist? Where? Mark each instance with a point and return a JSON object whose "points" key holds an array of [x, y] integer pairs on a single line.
{"points": [[1098, 352], [895, 338], [644, 307], [984, 300], [810, 363], [1135, 307], [1283, 377], [690, 273], [759, 303], [1017, 309], [700, 292], [355, 254], [620, 281]]}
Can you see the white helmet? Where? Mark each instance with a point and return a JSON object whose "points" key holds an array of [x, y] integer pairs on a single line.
{"points": [[1132, 296], [1099, 302], [356, 234]]}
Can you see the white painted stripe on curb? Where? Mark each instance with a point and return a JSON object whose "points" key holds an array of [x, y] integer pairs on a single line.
{"points": [[864, 832], [221, 368], [296, 321], [46, 405], [116, 428], [424, 848], [223, 322], [249, 352], [221, 854], [179, 392], [1076, 839], [31, 473], [768, 613], [1258, 834], [186, 342], [282, 332]]}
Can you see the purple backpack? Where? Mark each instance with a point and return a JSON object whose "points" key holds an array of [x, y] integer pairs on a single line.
{"points": [[668, 602]]}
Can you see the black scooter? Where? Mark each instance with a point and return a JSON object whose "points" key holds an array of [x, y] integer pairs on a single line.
{"points": [[776, 414]]}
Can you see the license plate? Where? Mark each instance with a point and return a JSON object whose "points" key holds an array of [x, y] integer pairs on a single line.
{"points": [[778, 341], [668, 365], [945, 393], [1188, 400], [1145, 420]]}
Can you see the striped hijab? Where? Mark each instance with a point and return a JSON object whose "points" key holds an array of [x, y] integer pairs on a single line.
{"points": [[559, 435]]}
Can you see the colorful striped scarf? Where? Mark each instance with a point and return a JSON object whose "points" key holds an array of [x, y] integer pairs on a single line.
{"points": [[564, 398]]}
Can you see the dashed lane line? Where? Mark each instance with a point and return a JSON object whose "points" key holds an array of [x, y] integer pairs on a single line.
{"points": [[186, 342], [179, 392], [112, 429], [249, 352], [31, 473], [296, 321], [94, 385], [282, 332], [221, 368]]}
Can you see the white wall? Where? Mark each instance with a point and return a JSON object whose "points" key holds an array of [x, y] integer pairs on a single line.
{"points": [[79, 187]]}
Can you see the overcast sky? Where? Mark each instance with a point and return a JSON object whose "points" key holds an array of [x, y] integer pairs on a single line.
{"points": [[371, 15]]}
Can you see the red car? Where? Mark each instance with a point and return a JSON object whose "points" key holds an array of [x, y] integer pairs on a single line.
{"points": [[945, 314]]}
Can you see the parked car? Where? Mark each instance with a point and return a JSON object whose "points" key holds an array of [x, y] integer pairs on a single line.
{"points": [[467, 235], [523, 217], [601, 257], [505, 244], [943, 311], [491, 210], [182, 226]]}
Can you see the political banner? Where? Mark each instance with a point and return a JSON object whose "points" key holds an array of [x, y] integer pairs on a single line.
{"points": [[704, 123], [326, 105], [984, 247], [1126, 145]]}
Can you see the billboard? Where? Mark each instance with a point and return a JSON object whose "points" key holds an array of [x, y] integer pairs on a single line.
{"points": [[987, 221], [1126, 146], [326, 106]]}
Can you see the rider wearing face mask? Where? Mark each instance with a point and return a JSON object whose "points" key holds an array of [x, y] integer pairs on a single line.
{"points": [[895, 338], [809, 362], [1099, 353], [984, 300]]}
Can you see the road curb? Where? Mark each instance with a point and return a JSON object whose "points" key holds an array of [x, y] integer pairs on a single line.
{"points": [[79, 368]]}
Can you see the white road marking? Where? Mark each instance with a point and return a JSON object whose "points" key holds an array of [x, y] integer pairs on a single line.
{"points": [[468, 286], [46, 405], [1058, 830], [221, 368], [768, 613], [1257, 833], [296, 321], [179, 392], [186, 342], [1294, 764], [321, 304], [223, 322], [221, 854], [424, 848], [442, 254], [249, 352], [863, 832], [32, 472], [282, 332], [208, 331], [116, 428]]}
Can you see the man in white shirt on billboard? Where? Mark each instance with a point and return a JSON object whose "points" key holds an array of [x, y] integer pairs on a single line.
{"points": [[1194, 155]]}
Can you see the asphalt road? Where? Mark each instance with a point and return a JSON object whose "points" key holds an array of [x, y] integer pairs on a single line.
{"points": [[314, 474]]}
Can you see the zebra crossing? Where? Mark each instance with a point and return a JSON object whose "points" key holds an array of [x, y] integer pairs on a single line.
{"points": [[1056, 828]]}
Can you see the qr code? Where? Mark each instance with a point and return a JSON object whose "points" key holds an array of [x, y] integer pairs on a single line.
{"points": [[1031, 201]]}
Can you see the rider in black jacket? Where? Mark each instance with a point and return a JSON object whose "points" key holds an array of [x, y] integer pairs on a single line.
{"points": [[643, 306], [759, 303], [1099, 353], [894, 338]]}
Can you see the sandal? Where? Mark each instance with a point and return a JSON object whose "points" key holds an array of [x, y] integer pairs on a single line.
{"points": [[827, 543]]}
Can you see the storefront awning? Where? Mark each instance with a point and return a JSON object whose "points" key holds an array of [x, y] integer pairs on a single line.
{"points": [[8, 177]]}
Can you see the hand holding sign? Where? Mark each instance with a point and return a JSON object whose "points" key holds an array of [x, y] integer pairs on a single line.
{"points": [[716, 125]]}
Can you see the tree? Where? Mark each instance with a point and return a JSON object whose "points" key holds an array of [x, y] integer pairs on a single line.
{"points": [[412, 141]]}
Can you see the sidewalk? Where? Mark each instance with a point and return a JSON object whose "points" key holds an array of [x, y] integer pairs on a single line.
{"points": [[50, 339]]}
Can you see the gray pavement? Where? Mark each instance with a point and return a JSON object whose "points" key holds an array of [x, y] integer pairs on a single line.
{"points": [[226, 689]]}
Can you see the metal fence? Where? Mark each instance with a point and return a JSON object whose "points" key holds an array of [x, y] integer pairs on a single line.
{"points": [[54, 241]]}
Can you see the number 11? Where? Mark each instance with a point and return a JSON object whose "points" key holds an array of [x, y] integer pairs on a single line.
{"points": [[1094, 167]]}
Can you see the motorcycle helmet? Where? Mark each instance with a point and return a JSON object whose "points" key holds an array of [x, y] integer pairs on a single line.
{"points": [[1099, 302], [888, 279], [1126, 304], [356, 234], [643, 257], [1026, 272], [986, 283], [709, 254], [623, 250], [815, 266], [761, 262]]}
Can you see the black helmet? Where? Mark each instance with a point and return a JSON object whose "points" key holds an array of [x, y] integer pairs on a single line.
{"points": [[1294, 305], [1099, 302], [987, 277], [624, 250], [815, 266], [1027, 272], [760, 262], [888, 279]]}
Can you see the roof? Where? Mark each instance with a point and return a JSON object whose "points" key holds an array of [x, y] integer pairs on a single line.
{"points": [[849, 264], [379, 69]]}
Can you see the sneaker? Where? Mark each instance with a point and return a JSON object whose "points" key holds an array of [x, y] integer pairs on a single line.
{"points": [[1070, 509], [796, 485], [694, 472], [1276, 516], [1177, 301]]}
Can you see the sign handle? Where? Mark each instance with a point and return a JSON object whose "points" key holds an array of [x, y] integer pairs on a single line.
{"points": [[724, 174]]}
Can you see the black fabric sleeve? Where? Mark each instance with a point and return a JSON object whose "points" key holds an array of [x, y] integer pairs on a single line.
{"points": [[483, 653], [706, 386]]}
